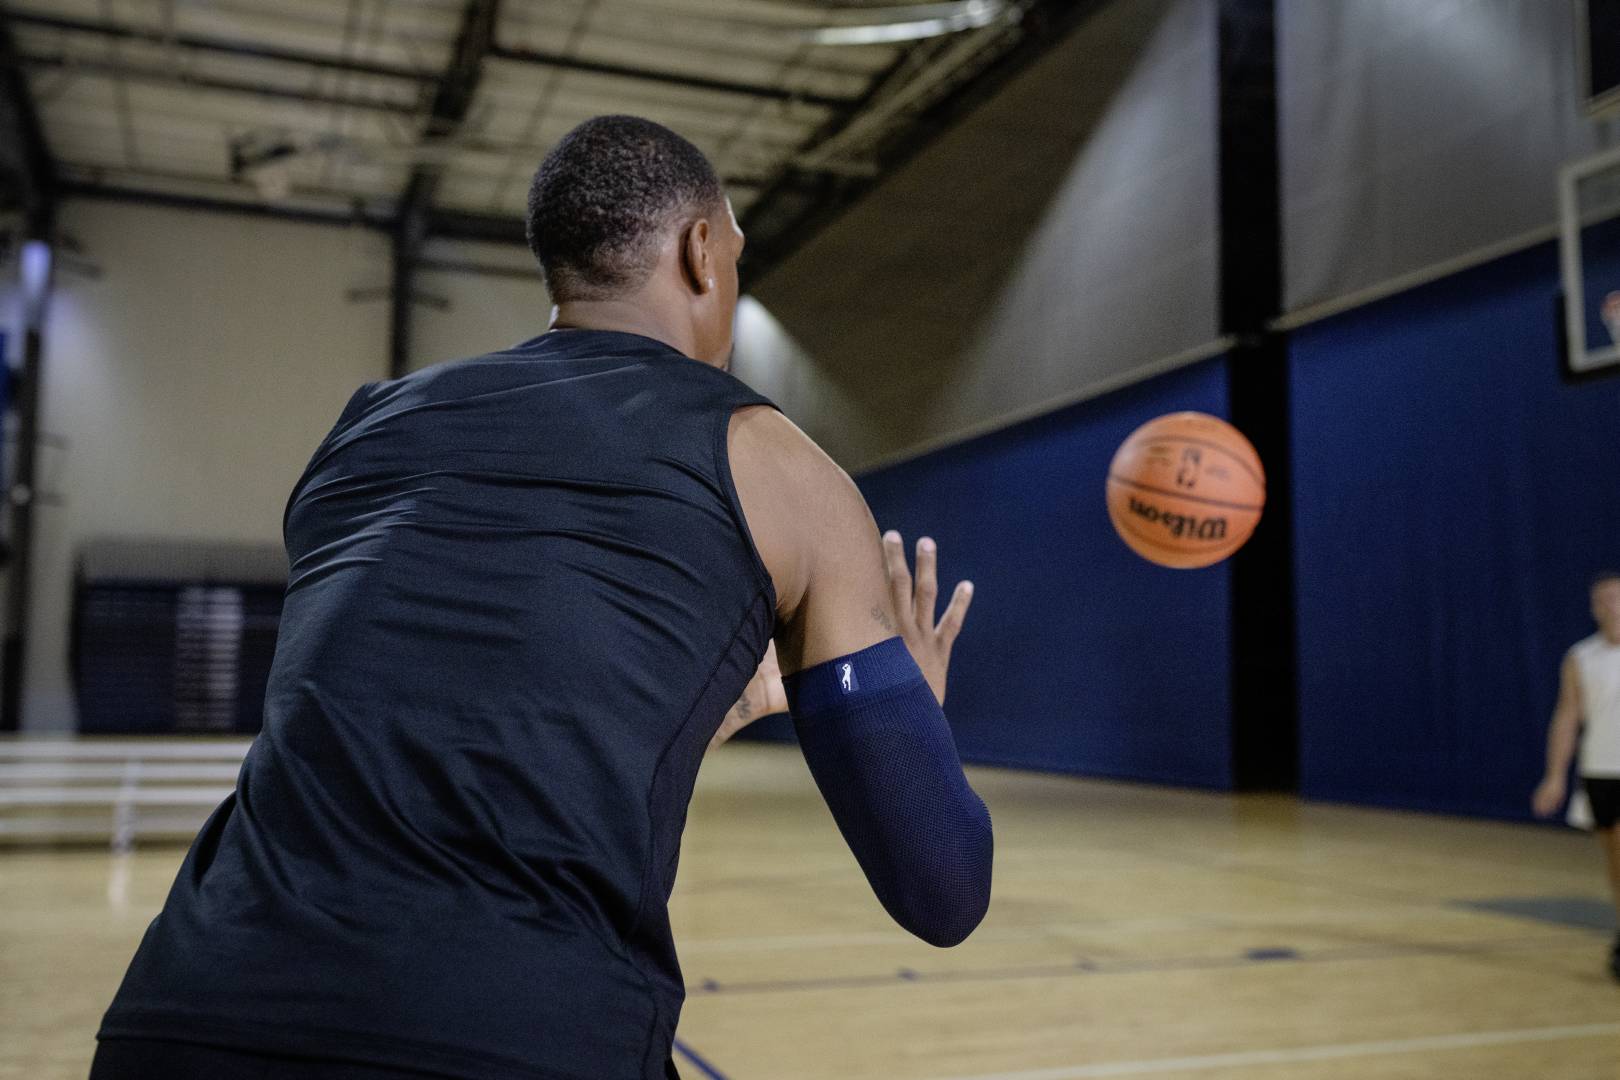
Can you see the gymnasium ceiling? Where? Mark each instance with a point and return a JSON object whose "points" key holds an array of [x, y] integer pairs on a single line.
{"points": [[381, 109]]}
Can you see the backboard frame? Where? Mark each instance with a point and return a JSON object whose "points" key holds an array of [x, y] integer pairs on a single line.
{"points": [[1579, 358]]}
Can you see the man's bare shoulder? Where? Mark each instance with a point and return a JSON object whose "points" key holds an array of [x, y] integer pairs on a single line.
{"points": [[770, 447], [800, 504]]}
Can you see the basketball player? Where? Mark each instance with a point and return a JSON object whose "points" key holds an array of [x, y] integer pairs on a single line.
{"points": [[1588, 714], [524, 591]]}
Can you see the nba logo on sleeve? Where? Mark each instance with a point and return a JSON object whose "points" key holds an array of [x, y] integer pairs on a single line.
{"points": [[846, 677]]}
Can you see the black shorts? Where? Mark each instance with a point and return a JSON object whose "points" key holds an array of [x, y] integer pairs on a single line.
{"points": [[160, 1059], [1603, 792]]}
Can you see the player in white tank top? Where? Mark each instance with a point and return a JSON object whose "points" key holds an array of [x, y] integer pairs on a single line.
{"points": [[1588, 716], [1597, 660]]}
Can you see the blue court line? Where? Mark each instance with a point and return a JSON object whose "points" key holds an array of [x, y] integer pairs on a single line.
{"points": [[1375, 950], [1581, 912], [697, 1061], [1283, 953]]}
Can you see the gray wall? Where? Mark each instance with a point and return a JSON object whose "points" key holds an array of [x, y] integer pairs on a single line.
{"points": [[191, 382], [1417, 133], [193, 379], [486, 313], [1058, 241], [1062, 239]]}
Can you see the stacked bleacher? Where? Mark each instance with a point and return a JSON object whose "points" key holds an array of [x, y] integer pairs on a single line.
{"points": [[172, 637], [171, 646]]}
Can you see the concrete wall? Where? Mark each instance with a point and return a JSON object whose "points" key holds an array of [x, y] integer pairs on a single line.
{"points": [[1058, 242], [486, 313], [1061, 239], [193, 379], [1416, 134], [191, 383]]}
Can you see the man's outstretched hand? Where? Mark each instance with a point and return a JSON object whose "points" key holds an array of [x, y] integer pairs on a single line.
{"points": [[929, 641]]}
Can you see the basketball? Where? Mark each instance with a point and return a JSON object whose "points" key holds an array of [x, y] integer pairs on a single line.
{"points": [[1185, 490]]}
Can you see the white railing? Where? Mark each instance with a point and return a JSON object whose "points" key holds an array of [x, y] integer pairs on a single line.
{"points": [[54, 789]]}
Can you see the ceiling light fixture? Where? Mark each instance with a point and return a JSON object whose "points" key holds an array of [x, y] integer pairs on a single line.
{"points": [[912, 23]]}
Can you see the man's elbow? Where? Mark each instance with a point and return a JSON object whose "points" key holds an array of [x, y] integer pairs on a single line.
{"points": [[946, 915], [951, 927]]}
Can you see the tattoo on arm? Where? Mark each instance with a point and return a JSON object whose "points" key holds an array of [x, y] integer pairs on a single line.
{"points": [[883, 619], [745, 708]]}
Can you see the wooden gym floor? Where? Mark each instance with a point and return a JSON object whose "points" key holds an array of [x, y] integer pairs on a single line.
{"points": [[1135, 931]]}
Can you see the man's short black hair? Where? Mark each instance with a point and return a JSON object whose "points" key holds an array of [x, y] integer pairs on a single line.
{"points": [[603, 195], [1604, 576]]}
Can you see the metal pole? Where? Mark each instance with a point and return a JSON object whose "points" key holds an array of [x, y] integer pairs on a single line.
{"points": [[1265, 707], [407, 241], [22, 498]]}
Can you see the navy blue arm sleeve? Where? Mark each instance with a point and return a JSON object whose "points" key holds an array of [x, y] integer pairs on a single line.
{"points": [[880, 751]]}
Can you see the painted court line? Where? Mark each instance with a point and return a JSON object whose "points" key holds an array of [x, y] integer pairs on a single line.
{"points": [[1304, 921], [783, 942], [1093, 967], [1249, 1058], [697, 1061]]}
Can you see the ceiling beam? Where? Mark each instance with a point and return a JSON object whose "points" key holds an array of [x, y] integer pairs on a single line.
{"points": [[185, 183], [485, 228], [453, 94], [667, 78], [174, 77], [28, 174], [441, 224], [539, 57], [92, 189], [222, 46], [465, 266], [452, 100]]}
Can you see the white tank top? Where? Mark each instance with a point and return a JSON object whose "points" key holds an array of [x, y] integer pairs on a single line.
{"points": [[1598, 663]]}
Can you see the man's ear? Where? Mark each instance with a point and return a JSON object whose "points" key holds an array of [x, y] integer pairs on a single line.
{"points": [[695, 260]]}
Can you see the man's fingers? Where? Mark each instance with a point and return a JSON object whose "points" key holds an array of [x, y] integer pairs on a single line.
{"points": [[927, 587], [950, 623], [728, 727], [894, 561], [775, 696]]}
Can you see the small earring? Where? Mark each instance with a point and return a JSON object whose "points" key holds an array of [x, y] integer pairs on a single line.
{"points": [[711, 283]]}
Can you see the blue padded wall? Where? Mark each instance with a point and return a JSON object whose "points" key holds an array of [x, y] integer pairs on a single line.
{"points": [[1452, 495], [1078, 656]]}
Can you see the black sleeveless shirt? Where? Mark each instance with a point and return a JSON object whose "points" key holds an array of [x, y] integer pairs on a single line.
{"points": [[521, 598]]}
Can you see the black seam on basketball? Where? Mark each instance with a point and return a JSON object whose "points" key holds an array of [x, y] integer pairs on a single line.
{"points": [[1162, 540], [1222, 503], [1236, 459]]}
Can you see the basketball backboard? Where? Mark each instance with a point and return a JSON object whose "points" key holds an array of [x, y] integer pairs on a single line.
{"points": [[1589, 246]]}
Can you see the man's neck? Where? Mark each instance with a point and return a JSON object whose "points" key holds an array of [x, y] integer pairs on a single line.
{"points": [[625, 316]]}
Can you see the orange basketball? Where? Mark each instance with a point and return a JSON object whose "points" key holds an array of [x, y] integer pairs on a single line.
{"points": [[1185, 490]]}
